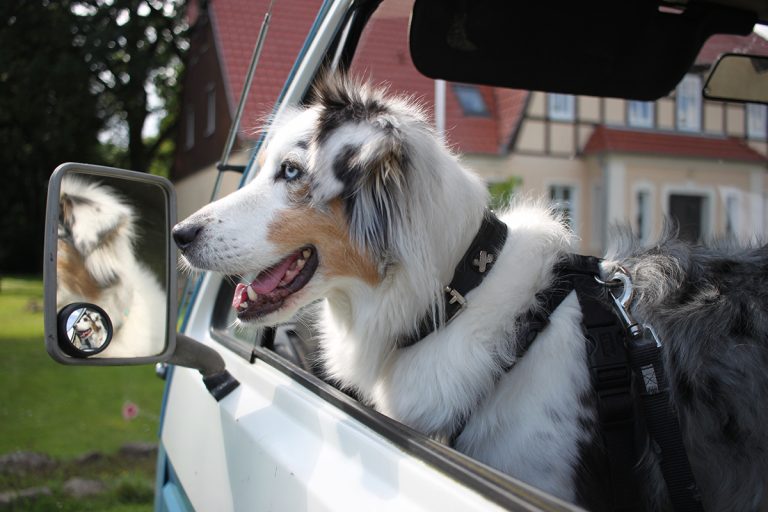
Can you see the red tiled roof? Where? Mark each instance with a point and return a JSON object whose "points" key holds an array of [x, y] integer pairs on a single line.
{"points": [[382, 56], [723, 43], [236, 26], [616, 140]]}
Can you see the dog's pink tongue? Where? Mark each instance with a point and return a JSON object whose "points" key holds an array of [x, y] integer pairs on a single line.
{"points": [[268, 281]]}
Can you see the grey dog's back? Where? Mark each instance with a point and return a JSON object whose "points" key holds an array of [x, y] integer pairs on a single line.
{"points": [[709, 306]]}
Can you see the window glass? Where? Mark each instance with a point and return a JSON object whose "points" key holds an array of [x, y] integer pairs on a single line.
{"points": [[689, 104], [563, 199], [189, 139], [210, 124], [641, 114], [471, 100], [757, 121], [643, 219], [561, 107]]}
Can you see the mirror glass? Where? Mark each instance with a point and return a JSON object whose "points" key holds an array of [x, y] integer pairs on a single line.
{"points": [[111, 266], [742, 78]]}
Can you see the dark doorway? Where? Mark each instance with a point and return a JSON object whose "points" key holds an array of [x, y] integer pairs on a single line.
{"points": [[687, 211]]}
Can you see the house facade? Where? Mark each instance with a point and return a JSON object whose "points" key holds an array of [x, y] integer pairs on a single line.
{"points": [[601, 161]]}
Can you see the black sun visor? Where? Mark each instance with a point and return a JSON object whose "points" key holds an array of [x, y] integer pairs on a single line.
{"points": [[635, 49]]}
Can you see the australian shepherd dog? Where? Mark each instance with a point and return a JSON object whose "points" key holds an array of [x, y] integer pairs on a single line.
{"points": [[96, 263], [90, 332], [359, 203]]}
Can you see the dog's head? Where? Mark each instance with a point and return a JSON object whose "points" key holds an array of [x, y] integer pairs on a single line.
{"points": [[89, 325], [95, 235], [339, 200]]}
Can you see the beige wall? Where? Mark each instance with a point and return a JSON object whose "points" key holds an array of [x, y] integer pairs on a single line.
{"points": [[607, 186], [194, 191]]}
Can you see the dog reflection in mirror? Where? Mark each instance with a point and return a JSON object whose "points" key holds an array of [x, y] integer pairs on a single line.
{"points": [[90, 333], [97, 264]]}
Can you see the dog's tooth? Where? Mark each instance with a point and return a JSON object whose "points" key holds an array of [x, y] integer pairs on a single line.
{"points": [[252, 295], [243, 305], [306, 253], [300, 264]]}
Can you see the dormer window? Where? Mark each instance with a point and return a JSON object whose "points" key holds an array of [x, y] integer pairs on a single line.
{"points": [[471, 100], [688, 98], [561, 107]]}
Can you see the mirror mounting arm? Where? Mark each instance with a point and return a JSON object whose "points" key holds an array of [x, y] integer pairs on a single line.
{"points": [[193, 354]]}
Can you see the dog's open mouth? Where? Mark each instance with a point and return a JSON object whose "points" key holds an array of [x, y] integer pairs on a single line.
{"points": [[267, 293], [85, 333]]}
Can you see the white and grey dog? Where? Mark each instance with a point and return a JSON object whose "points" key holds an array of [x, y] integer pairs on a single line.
{"points": [[358, 202]]}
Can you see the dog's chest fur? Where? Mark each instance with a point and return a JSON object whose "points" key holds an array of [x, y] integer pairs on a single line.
{"points": [[529, 422]]}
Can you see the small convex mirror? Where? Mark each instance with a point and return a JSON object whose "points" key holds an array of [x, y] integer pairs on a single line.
{"points": [[109, 271]]}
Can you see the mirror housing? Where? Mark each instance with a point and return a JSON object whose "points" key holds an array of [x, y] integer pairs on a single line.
{"points": [[738, 77], [110, 267]]}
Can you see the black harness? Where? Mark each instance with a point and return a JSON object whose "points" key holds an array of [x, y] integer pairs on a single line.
{"points": [[624, 364]]}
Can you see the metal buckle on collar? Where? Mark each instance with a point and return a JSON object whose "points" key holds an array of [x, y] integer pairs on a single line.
{"points": [[455, 297]]}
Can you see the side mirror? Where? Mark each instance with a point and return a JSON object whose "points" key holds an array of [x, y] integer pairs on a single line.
{"points": [[110, 274], [110, 278], [738, 77]]}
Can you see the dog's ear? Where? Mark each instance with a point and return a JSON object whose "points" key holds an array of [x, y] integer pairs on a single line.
{"points": [[98, 225], [372, 168]]}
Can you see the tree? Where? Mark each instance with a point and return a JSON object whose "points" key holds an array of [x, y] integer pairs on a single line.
{"points": [[131, 45], [48, 116]]}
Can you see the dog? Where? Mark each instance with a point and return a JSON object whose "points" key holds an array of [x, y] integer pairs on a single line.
{"points": [[359, 204], [89, 332], [96, 263]]}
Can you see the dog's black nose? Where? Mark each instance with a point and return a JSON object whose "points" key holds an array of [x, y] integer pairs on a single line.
{"points": [[185, 234]]}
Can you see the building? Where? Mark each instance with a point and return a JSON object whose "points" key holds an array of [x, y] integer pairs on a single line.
{"points": [[602, 161]]}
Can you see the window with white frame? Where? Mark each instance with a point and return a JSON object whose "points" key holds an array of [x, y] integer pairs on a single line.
{"points": [[210, 108], [561, 107], [688, 101], [640, 114], [757, 121], [189, 132], [563, 198], [643, 218]]}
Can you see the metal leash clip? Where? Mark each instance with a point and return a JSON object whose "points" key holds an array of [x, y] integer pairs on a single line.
{"points": [[623, 301]]}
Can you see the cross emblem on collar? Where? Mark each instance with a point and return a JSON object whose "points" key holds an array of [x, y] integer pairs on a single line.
{"points": [[482, 261]]}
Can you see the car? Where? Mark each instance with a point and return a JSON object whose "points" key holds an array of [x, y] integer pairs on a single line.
{"points": [[262, 430]]}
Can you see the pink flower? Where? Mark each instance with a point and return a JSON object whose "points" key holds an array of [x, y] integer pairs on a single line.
{"points": [[130, 411]]}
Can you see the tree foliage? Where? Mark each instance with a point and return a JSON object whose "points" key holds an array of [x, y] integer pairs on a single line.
{"points": [[71, 72], [48, 116], [130, 45]]}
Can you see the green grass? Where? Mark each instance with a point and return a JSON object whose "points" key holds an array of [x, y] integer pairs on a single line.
{"points": [[66, 411]]}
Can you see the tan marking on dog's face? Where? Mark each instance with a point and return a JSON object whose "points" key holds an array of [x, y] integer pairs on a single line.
{"points": [[329, 233], [72, 274]]}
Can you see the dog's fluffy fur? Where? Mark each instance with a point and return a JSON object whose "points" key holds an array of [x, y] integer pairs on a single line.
{"points": [[96, 263], [389, 211]]}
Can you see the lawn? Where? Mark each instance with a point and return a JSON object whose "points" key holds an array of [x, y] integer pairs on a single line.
{"points": [[65, 411]]}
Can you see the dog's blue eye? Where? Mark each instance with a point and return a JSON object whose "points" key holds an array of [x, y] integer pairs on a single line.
{"points": [[289, 171]]}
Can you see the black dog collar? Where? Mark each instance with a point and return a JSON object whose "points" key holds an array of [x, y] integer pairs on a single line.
{"points": [[474, 266]]}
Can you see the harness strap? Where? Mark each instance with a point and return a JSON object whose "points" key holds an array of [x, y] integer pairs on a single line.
{"points": [[663, 426], [611, 379]]}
